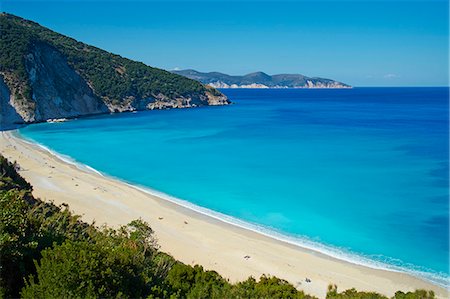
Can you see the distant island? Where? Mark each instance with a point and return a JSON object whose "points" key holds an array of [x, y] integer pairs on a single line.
{"points": [[260, 80], [133, 241], [45, 75]]}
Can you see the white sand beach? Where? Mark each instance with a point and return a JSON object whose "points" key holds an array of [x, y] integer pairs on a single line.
{"points": [[192, 237]]}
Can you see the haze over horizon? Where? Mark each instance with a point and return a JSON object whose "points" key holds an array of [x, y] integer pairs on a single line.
{"points": [[365, 43]]}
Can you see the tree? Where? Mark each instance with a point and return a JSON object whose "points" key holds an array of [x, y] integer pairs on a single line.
{"points": [[267, 287]]}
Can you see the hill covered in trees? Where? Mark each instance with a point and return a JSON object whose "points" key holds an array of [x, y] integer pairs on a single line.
{"points": [[261, 80], [46, 252], [45, 75]]}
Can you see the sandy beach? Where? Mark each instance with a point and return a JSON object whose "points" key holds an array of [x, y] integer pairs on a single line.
{"points": [[192, 237]]}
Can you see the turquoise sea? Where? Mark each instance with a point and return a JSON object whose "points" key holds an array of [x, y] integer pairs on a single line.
{"points": [[361, 174]]}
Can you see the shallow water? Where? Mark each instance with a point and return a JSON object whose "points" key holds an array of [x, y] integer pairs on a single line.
{"points": [[363, 170]]}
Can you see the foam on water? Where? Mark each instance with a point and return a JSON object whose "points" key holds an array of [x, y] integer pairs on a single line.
{"points": [[65, 158], [283, 140], [299, 241]]}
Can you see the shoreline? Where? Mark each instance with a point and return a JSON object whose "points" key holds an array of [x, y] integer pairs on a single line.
{"points": [[216, 243], [301, 243]]}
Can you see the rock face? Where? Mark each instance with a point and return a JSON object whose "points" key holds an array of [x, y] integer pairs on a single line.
{"points": [[261, 80], [8, 113], [45, 76], [58, 91], [189, 102]]}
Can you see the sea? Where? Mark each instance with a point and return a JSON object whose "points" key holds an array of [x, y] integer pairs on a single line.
{"points": [[360, 174]]}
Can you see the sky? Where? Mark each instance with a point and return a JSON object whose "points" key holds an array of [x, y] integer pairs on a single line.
{"points": [[362, 43]]}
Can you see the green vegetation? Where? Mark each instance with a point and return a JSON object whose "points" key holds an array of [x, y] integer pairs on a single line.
{"points": [[46, 252], [354, 294], [113, 78]]}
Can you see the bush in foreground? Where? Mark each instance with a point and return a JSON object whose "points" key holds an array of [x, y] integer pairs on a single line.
{"points": [[46, 252]]}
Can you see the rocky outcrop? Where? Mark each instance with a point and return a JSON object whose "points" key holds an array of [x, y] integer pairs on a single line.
{"points": [[217, 100], [8, 114], [163, 102], [48, 76], [220, 84], [57, 90]]}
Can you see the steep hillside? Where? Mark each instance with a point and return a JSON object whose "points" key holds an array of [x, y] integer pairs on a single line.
{"points": [[260, 80], [45, 75]]}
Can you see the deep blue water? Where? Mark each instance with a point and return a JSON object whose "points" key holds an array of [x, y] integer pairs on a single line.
{"points": [[364, 170]]}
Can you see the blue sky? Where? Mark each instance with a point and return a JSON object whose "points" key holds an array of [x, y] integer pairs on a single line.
{"points": [[363, 43]]}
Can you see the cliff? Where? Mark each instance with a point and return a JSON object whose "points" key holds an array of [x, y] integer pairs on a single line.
{"points": [[46, 75], [260, 80]]}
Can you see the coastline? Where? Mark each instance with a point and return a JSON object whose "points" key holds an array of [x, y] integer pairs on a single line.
{"points": [[213, 243]]}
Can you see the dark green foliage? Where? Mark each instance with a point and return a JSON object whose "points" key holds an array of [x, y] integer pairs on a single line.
{"points": [[354, 294], [27, 226], [419, 294], [267, 287], [185, 281], [213, 91], [351, 293], [45, 252], [9, 178], [107, 264], [113, 78]]}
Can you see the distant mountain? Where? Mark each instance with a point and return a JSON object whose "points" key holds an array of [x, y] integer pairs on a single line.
{"points": [[45, 75], [260, 80]]}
